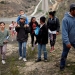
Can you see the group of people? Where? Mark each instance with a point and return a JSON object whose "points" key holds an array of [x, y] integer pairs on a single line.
{"points": [[51, 30]]}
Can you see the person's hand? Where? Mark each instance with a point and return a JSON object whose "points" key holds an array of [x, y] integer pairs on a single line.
{"points": [[68, 45], [6, 41], [57, 33], [27, 25], [18, 25]]}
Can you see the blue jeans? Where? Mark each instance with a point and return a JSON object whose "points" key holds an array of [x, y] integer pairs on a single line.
{"points": [[22, 45], [65, 54], [40, 48]]}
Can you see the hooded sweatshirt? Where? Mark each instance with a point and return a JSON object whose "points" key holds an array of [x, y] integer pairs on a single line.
{"points": [[68, 29]]}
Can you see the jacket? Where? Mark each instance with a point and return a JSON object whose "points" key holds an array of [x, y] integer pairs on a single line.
{"points": [[31, 28], [22, 33], [42, 37], [68, 29], [53, 24]]}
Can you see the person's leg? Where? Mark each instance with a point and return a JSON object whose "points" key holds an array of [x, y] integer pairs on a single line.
{"points": [[20, 49], [64, 56], [4, 51], [39, 52], [24, 51], [45, 51], [52, 42], [1, 49], [36, 39], [32, 39]]}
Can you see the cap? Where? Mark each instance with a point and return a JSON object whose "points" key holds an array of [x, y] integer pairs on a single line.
{"points": [[72, 5], [22, 17]]}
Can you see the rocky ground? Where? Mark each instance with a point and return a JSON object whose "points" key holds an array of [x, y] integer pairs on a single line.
{"points": [[15, 67], [11, 8]]}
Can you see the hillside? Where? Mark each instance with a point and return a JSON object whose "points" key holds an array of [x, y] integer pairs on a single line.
{"points": [[11, 7], [63, 8]]}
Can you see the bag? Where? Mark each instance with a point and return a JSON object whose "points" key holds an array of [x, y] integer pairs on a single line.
{"points": [[36, 31]]}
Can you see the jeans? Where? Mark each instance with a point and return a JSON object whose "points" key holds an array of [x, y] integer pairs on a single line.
{"points": [[40, 48], [65, 54], [22, 49]]}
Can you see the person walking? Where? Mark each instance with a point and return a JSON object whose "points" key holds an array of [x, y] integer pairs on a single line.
{"points": [[42, 39], [4, 36], [33, 24], [68, 34], [22, 37], [53, 28]]}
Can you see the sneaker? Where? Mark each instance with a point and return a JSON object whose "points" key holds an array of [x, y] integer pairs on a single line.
{"points": [[62, 68], [45, 60], [20, 58], [52, 49], [32, 48], [3, 62], [38, 60], [24, 59]]}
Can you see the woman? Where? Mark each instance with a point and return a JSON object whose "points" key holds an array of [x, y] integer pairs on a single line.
{"points": [[53, 28], [4, 35], [33, 24]]}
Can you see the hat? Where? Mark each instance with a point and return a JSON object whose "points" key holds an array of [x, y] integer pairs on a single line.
{"points": [[22, 17], [72, 5]]}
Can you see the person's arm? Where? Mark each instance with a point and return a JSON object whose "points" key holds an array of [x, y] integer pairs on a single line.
{"points": [[18, 18], [26, 22], [48, 23], [58, 24], [65, 37], [17, 28]]}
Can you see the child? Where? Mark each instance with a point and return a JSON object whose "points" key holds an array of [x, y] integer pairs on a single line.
{"points": [[22, 37], [4, 35], [22, 13], [42, 39], [12, 29]]}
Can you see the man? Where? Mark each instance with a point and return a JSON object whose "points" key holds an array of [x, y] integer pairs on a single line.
{"points": [[22, 37], [68, 34]]}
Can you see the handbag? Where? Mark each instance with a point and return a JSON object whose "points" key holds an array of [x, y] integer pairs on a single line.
{"points": [[36, 31]]}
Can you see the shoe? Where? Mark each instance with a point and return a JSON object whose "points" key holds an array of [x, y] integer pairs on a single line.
{"points": [[3, 62], [32, 48], [62, 68], [45, 60], [20, 58], [24, 59], [38, 60], [52, 49]]}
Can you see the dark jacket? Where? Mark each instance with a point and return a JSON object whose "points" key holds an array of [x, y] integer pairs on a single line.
{"points": [[22, 33], [53, 24], [31, 28], [43, 35]]}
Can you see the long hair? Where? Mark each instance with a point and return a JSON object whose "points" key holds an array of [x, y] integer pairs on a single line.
{"points": [[32, 19]]}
